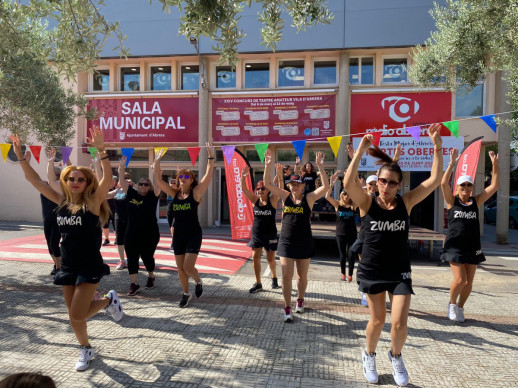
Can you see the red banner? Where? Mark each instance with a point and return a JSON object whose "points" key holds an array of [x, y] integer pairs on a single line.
{"points": [[467, 164], [393, 112], [266, 119], [241, 210], [147, 120]]}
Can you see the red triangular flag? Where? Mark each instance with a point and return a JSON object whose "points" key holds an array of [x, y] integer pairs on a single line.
{"points": [[193, 153], [377, 138], [36, 150]]}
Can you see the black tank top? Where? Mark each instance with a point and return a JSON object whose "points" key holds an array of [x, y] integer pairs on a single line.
{"points": [[185, 213], [463, 227], [296, 219], [141, 212], [345, 225], [310, 182], [80, 238], [48, 207], [264, 219], [121, 204], [385, 238]]}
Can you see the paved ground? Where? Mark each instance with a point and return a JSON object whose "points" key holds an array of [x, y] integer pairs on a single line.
{"points": [[230, 338]]}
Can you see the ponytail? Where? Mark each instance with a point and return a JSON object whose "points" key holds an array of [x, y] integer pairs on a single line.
{"points": [[385, 161]]}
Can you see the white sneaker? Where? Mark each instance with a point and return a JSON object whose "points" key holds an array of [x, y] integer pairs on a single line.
{"points": [[300, 306], [364, 300], [288, 317], [115, 307], [460, 314], [85, 356], [400, 374], [369, 367], [452, 312]]}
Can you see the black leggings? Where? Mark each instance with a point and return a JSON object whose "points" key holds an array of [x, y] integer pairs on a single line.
{"points": [[344, 244], [141, 246]]}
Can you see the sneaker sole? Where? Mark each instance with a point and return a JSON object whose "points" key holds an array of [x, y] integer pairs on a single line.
{"points": [[288, 320], [299, 311], [187, 304], [135, 293]]}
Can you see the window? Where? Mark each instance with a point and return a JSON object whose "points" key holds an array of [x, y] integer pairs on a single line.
{"points": [[394, 70], [225, 77], [190, 77], [176, 156], [101, 80], [252, 155], [324, 72], [257, 75], [291, 73], [361, 71], [286, 156], [161, 78], [469, 102], [130, 79], [329, 155]]}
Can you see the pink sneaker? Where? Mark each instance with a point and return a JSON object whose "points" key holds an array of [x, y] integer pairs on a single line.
{"points": [[300, 306]]}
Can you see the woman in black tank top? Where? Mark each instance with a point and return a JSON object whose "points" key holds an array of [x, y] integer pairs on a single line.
{"points": [[385, 265], [187, 236], [81, 213], [462, 246], [296, 241], [264, 229]]}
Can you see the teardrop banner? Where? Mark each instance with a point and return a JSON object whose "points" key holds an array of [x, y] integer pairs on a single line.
{"points": [[193, 154], [36, 151], [468, 160]]}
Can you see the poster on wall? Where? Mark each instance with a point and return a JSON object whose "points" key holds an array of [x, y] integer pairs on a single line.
{"points": [[393, 112], [268, 119], [147, 120]]}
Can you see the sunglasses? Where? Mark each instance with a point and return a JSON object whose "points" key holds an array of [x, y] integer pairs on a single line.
{"points": [[384, 182], [184, 176], [71, 179], [372, 184], [261, 189], [172, 181], [143, 184], [466, 185]]}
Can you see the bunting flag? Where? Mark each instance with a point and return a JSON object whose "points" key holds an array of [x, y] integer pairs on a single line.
{"points": [[228, 151], [453, 127], [92, 151], [193, 153], [261, 150], [415, 132], [299, 146], [490, 120], [5, 150], [36, 151], [377, 138], [160, 151], [334, 142], [65, 154], [128, 153]]}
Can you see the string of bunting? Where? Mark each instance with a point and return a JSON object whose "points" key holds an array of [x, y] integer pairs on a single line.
{"points": [[298, 145]]}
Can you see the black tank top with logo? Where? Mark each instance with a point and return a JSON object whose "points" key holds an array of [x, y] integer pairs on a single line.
{"points": [[385, 238], [121, 204], [142, 212], [463, 227], [345, 225], [185, 213], [264, 219], [296, 220]]}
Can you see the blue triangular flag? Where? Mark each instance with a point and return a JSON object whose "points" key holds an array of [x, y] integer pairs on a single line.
{"points": [[128, 153], [299, 147], [490, 121]]}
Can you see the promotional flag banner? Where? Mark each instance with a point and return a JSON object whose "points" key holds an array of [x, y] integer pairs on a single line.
{"points": [[467, 164], [377, 138], [334, 142], [240, 209], [299, 146], [228, 151], [160, 151], [36, 151], [193, 153], [453, 126], [92, 151], [128, 153], [490, 120], [415, 132], [5, 150], [65, 154], [261, 150]]}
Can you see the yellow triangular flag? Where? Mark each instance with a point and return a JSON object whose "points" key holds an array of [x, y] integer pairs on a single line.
{"points": [[334, 142], [160, 151], [5, 150]]}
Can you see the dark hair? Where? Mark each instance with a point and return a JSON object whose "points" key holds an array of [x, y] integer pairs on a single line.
{"points": [[385, 161], [305, 171], [27, 380], [286, 166]]}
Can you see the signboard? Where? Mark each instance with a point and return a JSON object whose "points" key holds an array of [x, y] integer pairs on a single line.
{"points": [[393, 112], [415, 155], [267, 119], [147, 120]]}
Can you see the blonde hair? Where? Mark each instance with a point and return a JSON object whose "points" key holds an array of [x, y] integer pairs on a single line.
{"points": [[91, 187]]}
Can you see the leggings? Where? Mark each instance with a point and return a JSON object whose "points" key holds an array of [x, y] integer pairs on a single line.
{"points": [[344, 244], [141, 246]]}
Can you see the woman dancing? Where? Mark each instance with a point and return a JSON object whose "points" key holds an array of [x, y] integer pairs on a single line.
{"points": [[385, 262], [81, 212], [462, 245]]}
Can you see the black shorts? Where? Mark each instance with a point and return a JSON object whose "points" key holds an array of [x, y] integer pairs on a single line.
{"points": [[302, 249], [120, 231], [398, 287], [52, 235], [187, 242], [73, 276], [456, 256], [269, 243]]}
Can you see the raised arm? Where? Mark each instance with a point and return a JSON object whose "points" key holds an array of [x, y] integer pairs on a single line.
{"points": [[97, 140], [320, 192], [279, 176], [280, 193], [199, 190], [495, 181], [328, 196], [445, 187], [251, 196], [159, 182], [51, 173], [355, 191], [422, 191], [122, 171]]}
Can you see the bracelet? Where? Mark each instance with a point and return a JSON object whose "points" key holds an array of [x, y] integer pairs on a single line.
{"points": [[21, 160], [105, 157], [210, 158], [438, 149]]}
